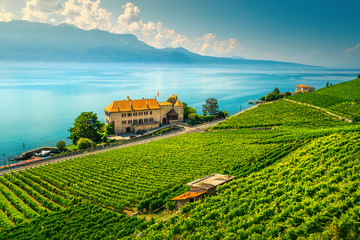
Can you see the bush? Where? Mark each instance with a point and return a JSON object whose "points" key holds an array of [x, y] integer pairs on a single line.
{"points": [[84, 143], [270, 97], [223, 114], [61, 145]]}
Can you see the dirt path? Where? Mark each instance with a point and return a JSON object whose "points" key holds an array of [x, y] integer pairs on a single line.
{"points": [[320, 108]]}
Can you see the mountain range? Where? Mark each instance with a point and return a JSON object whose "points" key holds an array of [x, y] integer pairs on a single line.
{"points": [[31, 41]]}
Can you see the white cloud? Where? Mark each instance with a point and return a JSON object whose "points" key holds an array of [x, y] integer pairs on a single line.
{"points": [[354, 49], [41, 10], [314, 53], [158, 36], [210, 45], [5, 16], [87, 14]]}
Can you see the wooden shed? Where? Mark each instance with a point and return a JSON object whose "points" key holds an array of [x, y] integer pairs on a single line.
{"points": [[200, 188]]}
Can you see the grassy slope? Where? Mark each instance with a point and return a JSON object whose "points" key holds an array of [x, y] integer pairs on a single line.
{"points": [[123, 177], [342, 98]]}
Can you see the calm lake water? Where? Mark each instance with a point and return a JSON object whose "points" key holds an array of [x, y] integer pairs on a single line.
{"points": [[39, 102]]}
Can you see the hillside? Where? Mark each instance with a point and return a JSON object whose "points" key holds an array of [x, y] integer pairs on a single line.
{"points": [[297, 179], [29, 41], [342, 99]]}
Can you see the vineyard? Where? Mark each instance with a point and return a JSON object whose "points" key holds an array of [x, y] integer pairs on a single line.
{"points": [[298, 178], [279, 113], [342, 99], [313, 193]]}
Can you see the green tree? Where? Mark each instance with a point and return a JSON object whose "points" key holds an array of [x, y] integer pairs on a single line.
{"points": [[359, 76], [262, 98], [109, 129], [276, 91], [270, 97], [223, 114], [86, 125], [61, 145], [287, 94], [327, 84], [188, 110], [211, 107], [84, 143]]}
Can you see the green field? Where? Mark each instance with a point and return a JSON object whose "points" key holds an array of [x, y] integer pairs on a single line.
{"points": [[298, 178], [342, 99]]}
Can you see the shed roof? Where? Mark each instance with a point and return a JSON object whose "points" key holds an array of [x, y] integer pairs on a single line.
{"points": [[211, 181], [188, 195]]}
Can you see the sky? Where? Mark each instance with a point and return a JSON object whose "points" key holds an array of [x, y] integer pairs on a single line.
{"points": [[316, 32]]}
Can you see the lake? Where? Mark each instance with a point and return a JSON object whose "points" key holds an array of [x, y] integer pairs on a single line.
{"points": [[39, 102]]}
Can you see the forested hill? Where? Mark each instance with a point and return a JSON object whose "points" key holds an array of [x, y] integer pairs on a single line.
{"points": [[296, 180], [31, 41]]}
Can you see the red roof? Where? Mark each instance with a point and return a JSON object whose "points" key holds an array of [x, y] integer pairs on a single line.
{"points": [[304, 86], [187, 195]]}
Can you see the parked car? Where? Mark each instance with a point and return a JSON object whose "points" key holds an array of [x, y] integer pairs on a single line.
{"points": [[141, 132]]}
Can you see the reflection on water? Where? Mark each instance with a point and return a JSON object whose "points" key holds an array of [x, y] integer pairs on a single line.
{"points": [[38, 102]]}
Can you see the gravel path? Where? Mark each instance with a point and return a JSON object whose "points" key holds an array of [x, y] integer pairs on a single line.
{"points": [[320, 108]]}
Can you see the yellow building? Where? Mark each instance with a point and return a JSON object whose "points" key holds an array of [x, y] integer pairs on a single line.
{"points": [[143, 114]]}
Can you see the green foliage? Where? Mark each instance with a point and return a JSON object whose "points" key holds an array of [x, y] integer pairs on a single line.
{"points": [[188, 110], [109, 129], [342, 98], [84, 143], [270, 97], [86, 221], [61, 145], [262, 98], [86, 125], [312, 194], [279, 113], [223, 114], [211, 107]]}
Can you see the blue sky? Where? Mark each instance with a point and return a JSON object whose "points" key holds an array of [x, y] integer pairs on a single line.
{"points": [[315, 32]]}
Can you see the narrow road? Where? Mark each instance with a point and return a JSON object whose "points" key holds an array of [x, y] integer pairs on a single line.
{"points": [[320, 108], [195, 129]]}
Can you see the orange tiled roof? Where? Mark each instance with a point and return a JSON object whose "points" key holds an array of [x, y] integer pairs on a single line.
{"points": [[304, 86], [187, 195], [178, 103], [165, 103], [132, 105]]}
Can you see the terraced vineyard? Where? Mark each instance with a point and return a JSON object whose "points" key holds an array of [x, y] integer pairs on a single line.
{"points": [[342, 99], [279, 113], [277, 182], [121, 178], [312, 194]]}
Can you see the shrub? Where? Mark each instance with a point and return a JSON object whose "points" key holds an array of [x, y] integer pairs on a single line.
{"points": [[61, 145], [84, 143]]}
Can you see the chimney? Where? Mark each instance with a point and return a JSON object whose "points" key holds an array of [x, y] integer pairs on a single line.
{"points": [[147, 103], [128, 98], [131, 105]]}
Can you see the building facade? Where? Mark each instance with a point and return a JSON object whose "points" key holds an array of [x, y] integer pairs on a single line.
{"points": [[143, 114], [304, 88]]}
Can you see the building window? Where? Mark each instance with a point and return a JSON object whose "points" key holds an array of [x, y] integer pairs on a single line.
{"points": [[150, 112], [151, 120], [129, 114], [140, 113], [141, 121], [135, 121], [130, 122], [134, 114], [146, 120], [146, 113], [123, 122], [123, 114]]}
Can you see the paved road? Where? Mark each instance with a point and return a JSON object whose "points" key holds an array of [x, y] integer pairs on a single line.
{"points": [[195, 129], [320, 108]]}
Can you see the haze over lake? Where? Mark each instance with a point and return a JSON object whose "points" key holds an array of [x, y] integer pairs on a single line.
{"points": [[39, 102]]}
